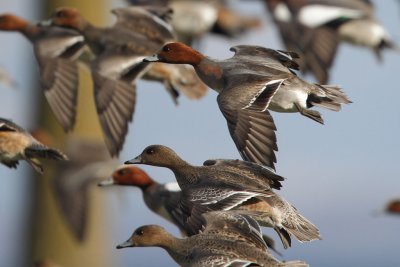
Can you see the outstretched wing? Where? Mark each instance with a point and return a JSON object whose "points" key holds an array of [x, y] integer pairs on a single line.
{"points": [[277, 59], [151, 21], [251, 126]]}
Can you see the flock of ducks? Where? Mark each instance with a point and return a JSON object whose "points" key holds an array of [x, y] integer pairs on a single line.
{"points": [[221, 206]]}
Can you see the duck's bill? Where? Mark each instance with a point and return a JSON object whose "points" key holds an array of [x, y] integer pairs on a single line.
{"points": [[153, 58], [126, 244], [44, 23], [108, 182], [136, 160]]}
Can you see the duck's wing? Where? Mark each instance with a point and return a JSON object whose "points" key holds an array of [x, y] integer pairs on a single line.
{"points": [[201, 199], [150, 21], [236, 222], [56, 52], [205, 259], [60, 81], [115, 103], [251, 126], [9, 126], [115, 94], [252, 171], [277, 59]]}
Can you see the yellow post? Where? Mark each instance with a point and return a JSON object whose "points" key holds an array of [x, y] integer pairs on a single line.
{"points": [[52, 239]]}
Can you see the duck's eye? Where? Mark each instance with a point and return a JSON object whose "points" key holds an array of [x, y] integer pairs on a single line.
{"points": [[140, 232], [121, 172], [150, 151], [60, 14], [166, 49]]}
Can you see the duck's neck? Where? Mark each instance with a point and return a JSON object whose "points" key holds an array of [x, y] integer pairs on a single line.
{"points": [[30, 31], [211, 73], [185, 175], [177, 249]]}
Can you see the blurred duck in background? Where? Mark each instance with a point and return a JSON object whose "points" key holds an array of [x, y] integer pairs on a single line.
{"points": [[119, 51], [314, 29], [192, 19], [89, 163], [393, 207], [17, 144], [56, 50]]}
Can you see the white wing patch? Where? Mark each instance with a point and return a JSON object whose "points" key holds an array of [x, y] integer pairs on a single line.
{"points": [[52, 49], [279, 82], [282, 13], [317, 15], [115, 67], [173, 187]]}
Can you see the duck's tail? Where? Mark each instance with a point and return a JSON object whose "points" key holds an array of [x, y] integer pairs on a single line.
{"points": [[328, 96], [296, 224], [295, 264]]}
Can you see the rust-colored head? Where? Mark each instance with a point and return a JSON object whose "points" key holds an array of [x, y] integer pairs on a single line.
{"points": [[131, 175], [10, 22], [68, 17], [147, 236], [177, 53], [393, 207]]}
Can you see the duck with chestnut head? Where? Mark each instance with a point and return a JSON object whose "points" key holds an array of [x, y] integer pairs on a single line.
{"points": [[254, 80]]}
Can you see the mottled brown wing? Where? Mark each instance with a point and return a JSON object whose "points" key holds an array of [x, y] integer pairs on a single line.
{"points": [[60, 82], [115, 103], [238, 222], [250, 170]]}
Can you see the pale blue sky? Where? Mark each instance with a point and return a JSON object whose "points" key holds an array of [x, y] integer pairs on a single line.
{"points": [[337, 174]]}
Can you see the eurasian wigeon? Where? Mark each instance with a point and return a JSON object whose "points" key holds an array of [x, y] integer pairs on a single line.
{"points": [[230, 184], [393, 207], [231, 24], [17, 144], [159, 198], [315, 28], [56, 50], [89, 162], [162, 199], [253, 80], [118, 64], [192, 19], [227, 240]]}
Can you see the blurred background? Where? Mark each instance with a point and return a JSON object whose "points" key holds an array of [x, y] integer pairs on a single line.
{"points": [[339, 175]]}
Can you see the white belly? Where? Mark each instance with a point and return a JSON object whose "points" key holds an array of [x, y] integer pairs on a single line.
{"points": [[284, 100]]}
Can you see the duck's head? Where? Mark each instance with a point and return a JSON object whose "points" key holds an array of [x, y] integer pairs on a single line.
{"points": [[67, 17], [128, 175], [146, 236], [158, 155], [176, 53], [10, 22], [393, 207]]}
